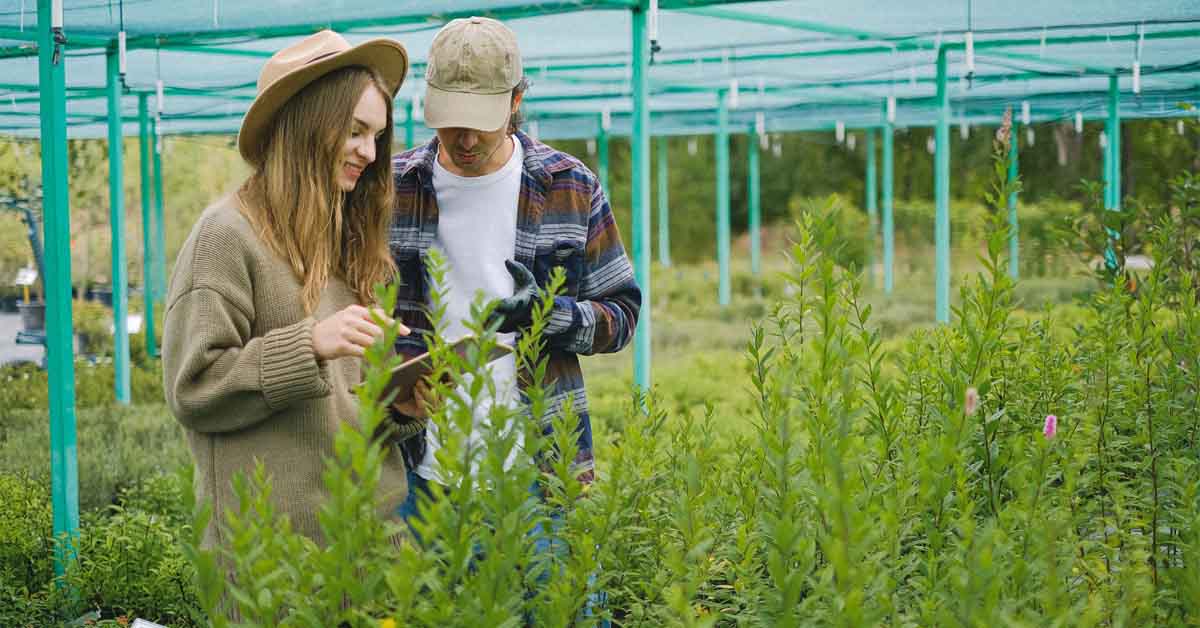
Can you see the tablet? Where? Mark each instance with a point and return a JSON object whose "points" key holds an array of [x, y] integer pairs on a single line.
{"points": [[406, 376]]}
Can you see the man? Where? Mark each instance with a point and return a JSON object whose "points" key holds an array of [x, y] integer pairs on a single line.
{"points": [[504, 210]]}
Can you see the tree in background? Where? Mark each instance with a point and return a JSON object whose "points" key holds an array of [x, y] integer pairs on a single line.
{"points": [[809, 165], [813, 165], [208, 167]]}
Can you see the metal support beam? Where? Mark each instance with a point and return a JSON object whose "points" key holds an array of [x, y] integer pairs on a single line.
{"points": [[753, 191], [872, 194], [1107, 154], [160, 264], [148, 282], [56, 223], [602, 154], [419, 18], [410, 131], [664, 201], [640, 180], [861, 35], [722, 149], [116, 220], [1112, 150], [784, 22], [1014, 269], [197, 41], [1112, 165], [29, 34], [941, 189], [889, 231]]}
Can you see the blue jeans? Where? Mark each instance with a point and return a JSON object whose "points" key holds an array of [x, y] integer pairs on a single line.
{"points": [[543, 543], [408, 509]]}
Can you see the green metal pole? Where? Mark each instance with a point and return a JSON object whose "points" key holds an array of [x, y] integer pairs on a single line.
{"points": [[602, 156], [723, 286], [1112, 164], [664, 211], [147, 225], [941, 188], [754, 191], [410, 131], [1014, 270], [640, 179], [872, 210], [160, 270], [889, 232], [116, 220], [60, 358], [1108, 196], [1113, 148]]}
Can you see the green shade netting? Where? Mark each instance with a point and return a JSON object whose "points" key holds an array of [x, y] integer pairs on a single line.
{"points": [[796, 65]]}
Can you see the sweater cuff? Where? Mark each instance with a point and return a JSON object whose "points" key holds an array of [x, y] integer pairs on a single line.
{"points": [[290, 370]]}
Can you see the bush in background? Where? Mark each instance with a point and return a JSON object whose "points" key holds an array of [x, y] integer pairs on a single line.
{"points": [[128, 559], [1003, 469], [26, 535], [118, 447]]}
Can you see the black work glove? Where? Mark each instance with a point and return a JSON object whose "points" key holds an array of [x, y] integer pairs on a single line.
{"points": [[516, 311], [412, 448]]}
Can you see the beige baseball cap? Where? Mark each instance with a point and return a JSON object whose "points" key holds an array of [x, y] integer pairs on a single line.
{"points": [[473, 66]]}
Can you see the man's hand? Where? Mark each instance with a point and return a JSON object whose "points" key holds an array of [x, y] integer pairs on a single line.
{"points": [[421, 404], [516, 311], [349, 332]]}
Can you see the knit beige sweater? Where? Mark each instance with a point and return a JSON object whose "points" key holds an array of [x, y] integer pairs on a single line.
{"points": [[241, 376]]}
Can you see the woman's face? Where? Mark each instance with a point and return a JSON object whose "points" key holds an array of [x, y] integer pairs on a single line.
{"points": [[370, 120]]}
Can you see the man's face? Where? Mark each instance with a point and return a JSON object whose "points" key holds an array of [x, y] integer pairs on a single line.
{"points": [[370, 118], [474, 153]]}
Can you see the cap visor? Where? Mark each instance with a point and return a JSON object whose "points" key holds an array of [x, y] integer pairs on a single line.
{"points": [[482, 112]]}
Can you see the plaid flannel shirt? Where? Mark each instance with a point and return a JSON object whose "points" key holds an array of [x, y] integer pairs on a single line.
{"points": [[563, 219]]}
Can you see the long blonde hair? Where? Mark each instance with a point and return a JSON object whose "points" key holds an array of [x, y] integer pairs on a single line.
{"points": [[293, 200]]}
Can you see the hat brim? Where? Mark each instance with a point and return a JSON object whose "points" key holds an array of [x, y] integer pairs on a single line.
{"points": [[385, 56], [482, 112]]}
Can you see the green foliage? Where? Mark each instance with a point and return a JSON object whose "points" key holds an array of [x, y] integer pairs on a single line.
{"points": [[163, 496], [93, 322], [25, 534], [206, 167], [127, 559], [814, 165], [278, 577], [129, 562], [118, 447], [879, 483], [26, 386], [1184, 237], [846, 465], [847, 227], [22, 387]]}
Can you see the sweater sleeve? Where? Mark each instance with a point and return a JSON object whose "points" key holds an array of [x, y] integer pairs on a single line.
{"points": [[219, 379]]}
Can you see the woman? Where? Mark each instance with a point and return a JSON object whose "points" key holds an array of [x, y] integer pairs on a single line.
{"points": [[267, 314]]}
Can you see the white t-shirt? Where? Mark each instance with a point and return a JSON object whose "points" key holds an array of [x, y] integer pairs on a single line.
{"points": [[477, 231]]}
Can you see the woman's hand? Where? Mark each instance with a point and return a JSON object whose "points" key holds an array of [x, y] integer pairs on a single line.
{"points": [[421, 403], [349, 332]]}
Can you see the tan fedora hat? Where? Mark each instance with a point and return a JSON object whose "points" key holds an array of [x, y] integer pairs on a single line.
{"points": [[291, 69]]}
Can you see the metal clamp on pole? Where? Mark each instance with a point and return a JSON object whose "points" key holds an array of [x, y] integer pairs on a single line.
{"points": [[56, 29], [653, 28]]}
